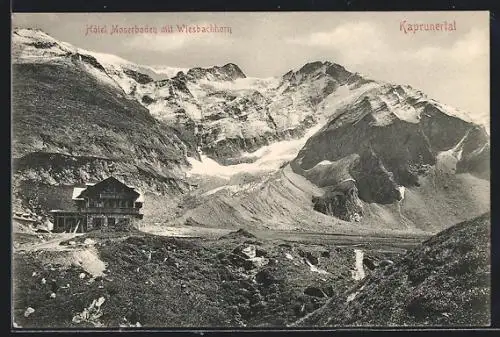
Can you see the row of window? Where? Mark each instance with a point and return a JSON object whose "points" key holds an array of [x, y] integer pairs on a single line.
{"points": [[111, 203]]}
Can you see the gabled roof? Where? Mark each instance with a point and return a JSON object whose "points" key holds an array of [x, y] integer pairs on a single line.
{"points": [[79, 192]]}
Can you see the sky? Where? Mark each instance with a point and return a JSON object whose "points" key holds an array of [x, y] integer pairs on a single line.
{"points": [[449, 66]]}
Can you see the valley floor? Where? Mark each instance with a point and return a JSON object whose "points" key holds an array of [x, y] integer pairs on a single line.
{"points": [[187, 276], [171, 276], [384, 241]]}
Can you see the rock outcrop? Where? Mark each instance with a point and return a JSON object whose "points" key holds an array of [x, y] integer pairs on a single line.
{"points": [[384, 141]]}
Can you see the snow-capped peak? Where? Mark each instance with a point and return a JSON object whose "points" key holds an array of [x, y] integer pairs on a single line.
{"points": [[33, 45]]}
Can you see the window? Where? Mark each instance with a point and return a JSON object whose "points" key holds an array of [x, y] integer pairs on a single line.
{"points": [[111, 222], [97, 222]]}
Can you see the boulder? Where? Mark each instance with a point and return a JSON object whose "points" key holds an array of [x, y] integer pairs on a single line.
{"points": [[246, 251], [369, 263], [314, 291], [385, 263], [29, 311]]}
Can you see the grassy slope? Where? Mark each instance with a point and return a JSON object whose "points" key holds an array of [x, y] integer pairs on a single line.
{"points": [[70, 110], [71, 128], [445, 282]]}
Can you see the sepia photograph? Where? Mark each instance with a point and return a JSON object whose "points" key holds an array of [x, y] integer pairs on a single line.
{"points": [[250, 170]]}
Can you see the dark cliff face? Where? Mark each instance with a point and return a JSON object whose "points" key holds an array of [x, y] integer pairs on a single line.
{"points": [[389, 139], [443, 282], [391, 155]]}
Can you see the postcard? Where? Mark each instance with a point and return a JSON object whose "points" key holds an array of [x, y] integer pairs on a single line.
{"points": [[248, 170]]}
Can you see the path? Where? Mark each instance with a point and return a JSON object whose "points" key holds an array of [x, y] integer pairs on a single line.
{"points": [[52, 244]]}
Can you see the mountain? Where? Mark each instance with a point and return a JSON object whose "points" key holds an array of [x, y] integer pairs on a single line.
{"points": [[388, 158], [319, 148], [219, 111], [443, 282], [386, 145], [227, 111]]}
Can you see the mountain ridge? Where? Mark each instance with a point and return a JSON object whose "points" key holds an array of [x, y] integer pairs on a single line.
{"points": [[330, 124]]}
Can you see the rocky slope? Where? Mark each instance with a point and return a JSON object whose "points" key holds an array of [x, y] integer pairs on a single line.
{"points": [[385, 142], [236, 280], [443, 282], [387, 158]]}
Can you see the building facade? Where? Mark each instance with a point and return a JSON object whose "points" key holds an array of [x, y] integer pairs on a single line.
{"points": [[107, 205]]}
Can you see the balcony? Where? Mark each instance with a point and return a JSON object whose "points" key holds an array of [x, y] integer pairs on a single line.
{"points": [[113, 195], [111, 210]]}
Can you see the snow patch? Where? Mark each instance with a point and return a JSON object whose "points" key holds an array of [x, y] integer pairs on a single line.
{"points": [[270, 158], [166, 70], [446, 161], [232, 188], [401, 192], [192, 110], [353, 295], [341, 97], [359, 272]]}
